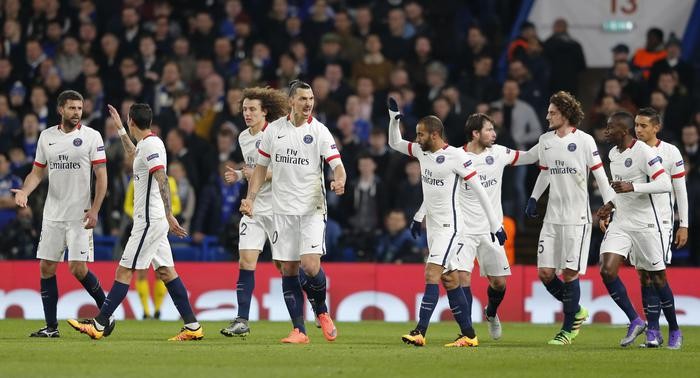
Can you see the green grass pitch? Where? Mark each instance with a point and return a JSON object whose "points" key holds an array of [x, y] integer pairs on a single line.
{"points": [[367, 349]]}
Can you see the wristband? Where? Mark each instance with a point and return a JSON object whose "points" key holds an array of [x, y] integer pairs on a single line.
{"points": [[121, 131]]}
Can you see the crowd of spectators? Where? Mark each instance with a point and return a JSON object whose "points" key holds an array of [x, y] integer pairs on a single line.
{"points": [[190, 60]]}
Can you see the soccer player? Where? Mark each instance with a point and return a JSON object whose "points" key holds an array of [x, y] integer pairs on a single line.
{"points": [[69, 151], [153, 217], [489, 160], [566, 155], [295, 147], [647, 124], [444, 168], [260, 106]]}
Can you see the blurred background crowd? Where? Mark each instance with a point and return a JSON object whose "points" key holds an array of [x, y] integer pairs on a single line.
{"points": [[190, 60]]}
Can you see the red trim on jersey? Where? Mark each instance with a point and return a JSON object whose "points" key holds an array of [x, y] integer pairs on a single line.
{"points": [[593, 168], [632, 144], [39, 164], [573, 130], [336, 156], [470, 176], [263, 153], [157, 167], [466, 147], [445, 146], [149, 135], [264, 126], [308, 120], [658, 142], [77, 127], [655, 175], [410, 149], [515, 159], [678, 175], [100, 161], [542, 168]]}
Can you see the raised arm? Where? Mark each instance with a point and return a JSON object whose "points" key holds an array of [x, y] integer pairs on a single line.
{"points": [[395, 139], [129, 147]]}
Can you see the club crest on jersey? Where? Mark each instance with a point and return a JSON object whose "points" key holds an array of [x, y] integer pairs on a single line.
{"points": [[257, 143], [628, 162], [77, 142], [571, 147], [654, 160], [308, 139], [440, 159], [489, 160], [152, 156]]}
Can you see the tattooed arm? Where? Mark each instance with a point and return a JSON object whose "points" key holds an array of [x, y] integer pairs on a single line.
{"points": [[164, 188]]}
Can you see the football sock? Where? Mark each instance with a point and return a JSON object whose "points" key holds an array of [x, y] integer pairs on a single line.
{"points": [[159, 292], [668, 306], [92, 285], [315, 288], [555, 287], [650, 301], [427, 306], [467, 290], [49, 298], [244, 291], [618, 293], [458, 305], [114, 298], [570, 298], [143, 290], [294, 299], [178, 293], [495, 299]]}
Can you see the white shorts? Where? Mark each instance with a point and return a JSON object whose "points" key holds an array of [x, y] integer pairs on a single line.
{"points": [[564, 246], [667, 239], [645, 250], [148, 244], [296, 235], [491, 256], [57, 235], [252, 232], [444, 248]]}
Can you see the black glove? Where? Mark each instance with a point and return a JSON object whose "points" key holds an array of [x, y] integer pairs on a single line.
{"points": [[394, 109], [531, 208], [416, 229], [500, 235]]}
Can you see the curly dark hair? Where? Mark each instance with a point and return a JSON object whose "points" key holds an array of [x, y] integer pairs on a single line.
{"points": [[569, 107], [271, 100]]}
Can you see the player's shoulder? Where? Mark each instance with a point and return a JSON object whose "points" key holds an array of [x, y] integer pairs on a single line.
{"points": [[669, 149], [547, 136], [91, 133], [49, 131]]}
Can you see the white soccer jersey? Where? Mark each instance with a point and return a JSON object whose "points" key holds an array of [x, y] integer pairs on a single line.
{"points": [[672, 161], [150, 157], [249, 147], [637, 164], [69, 158], [489, 164], [568, 161], [442, 172], [296, 155]]}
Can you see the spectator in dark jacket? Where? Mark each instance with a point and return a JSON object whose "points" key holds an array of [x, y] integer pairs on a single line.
{"points": [[396, 244]]}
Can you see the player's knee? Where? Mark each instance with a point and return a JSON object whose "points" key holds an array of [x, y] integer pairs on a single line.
{"points": [[78, 269], [658, 279], [545, 275], [449, 281], [47, 268], [498, 283], [607, 273]]}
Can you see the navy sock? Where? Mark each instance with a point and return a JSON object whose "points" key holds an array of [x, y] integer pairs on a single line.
{"points": [[92, 285], [244, 291], [570, 299], [179, 295], [316, 291], [618, 293], [468, 294], [294, 299], [458, 305], [495, 299], [668, 306], [49, 297], [427, 306], [650, 301], [114, 298], [555, 287]]}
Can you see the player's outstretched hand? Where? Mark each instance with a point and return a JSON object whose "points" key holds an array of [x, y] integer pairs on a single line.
{"points": [[681, 237], [231, 175], [500, 235], [394, 109], [175, 227], [622, 186], [416, 228], [20, 197], [90, 219], [531, 208], [338, 187], [247, 207], [115, 116]]}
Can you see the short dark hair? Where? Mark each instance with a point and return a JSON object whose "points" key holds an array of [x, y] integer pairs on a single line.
{"points": [[142, 115], [651, 113], [432, 124], [624, 118], [295, 85], [569, 107], [476, 122], [69, 95]]}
